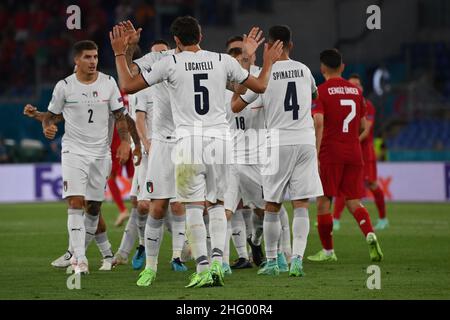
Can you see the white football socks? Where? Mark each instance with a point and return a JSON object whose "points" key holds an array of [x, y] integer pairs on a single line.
{"points": [[272, 230], [197, 235], [239, 235], [77, 232], [178, 234], [300, 231], [152, 241], [217, 231]]}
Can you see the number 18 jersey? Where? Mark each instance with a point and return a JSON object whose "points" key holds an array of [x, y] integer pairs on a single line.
{"points": [[196, 84], [342, 106]]}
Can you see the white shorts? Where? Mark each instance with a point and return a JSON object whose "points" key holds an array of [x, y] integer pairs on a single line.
{"points": [[141, 173], [134, 184], [297, 173], [232, 193], [85, 176], [251, 185], [200, 176], [160, 179]]}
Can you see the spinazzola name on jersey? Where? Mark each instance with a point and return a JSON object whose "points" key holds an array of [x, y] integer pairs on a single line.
{"points": [[287, 74], [199, 66], [343, 90]]}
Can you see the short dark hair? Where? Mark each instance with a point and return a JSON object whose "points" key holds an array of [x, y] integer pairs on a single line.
{"points": [[354, 76], [233, 39], [187, 29], [234, 52], [332, 58], [160, 41], [79, 46], [282, 33]]}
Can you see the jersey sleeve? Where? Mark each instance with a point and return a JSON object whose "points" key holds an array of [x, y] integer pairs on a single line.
{"points": [[249, 96], [115, 99], [370, 112], [56, 105], [235, 73], [159, 72], [144, 101], [145, 63]]}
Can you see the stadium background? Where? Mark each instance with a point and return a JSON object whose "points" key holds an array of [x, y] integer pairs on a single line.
{"points": [[405, 68]]}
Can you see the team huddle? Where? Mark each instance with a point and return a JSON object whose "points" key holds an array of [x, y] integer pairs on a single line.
{"points": [[219, 144]]}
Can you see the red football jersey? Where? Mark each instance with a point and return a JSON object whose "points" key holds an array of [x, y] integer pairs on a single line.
{"points": [[342, 106], [367, 146]]}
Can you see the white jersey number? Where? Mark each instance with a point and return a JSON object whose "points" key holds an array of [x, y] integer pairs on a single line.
{"points": [[351, 115]]}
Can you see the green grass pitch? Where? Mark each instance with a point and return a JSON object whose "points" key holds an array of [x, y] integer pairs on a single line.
{"points": [[416, 265]]}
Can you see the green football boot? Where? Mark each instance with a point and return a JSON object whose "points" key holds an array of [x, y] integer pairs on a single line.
{"points": [[270, 268], [374, 247], [321, 256], [296, 269], [146, 278]]}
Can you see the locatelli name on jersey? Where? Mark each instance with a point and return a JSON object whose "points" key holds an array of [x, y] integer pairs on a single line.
{"points": [[198, 66]]}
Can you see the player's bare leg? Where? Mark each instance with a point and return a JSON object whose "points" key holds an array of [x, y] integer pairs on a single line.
{"points": [[362, 217], [325, 228], [378, 196]]}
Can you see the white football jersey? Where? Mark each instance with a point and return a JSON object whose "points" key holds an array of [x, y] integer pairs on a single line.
{"points": [[287, 103], [197, 83], [144, 103], [163, 125], [86, 109]]}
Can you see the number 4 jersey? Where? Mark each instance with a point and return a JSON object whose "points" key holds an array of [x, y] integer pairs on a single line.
{"points": [[342, 106], [287, 104], [196, 83]]}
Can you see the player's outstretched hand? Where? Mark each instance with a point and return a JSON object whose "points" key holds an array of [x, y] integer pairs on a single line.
{"points": [[119, 40], [123, 152], [137, 156], [132, 34], [274, 52], [252, 41], [50, 131], [29, 111]]}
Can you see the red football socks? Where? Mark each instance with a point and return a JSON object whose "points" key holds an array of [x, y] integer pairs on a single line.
{"points": [[115, 192], [339, 205], [378, 195], [325, 226], [362, 217]]}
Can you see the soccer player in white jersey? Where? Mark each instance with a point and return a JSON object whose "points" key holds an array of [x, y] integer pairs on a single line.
{"points": [[85, 99], [247, 175], [292, 164], [196, 83]]}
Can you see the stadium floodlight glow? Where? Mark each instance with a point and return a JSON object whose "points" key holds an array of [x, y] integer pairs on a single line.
{"points": [[380, 78]]}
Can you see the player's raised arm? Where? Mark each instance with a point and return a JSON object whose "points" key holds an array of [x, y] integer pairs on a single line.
{"points": [[119, 43], [271, 54], [133, 40]]}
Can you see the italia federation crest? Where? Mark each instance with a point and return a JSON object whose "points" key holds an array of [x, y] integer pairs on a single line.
{"points": [[150, 187]]}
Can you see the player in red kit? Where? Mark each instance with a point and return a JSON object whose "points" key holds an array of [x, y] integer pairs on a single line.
{"points": [[370, 166], [339, 115]]}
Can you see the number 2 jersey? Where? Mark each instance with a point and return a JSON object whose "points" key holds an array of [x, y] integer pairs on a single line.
{"points": [[287, 104], [196, 84], [87, 114], [342, 106]]}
